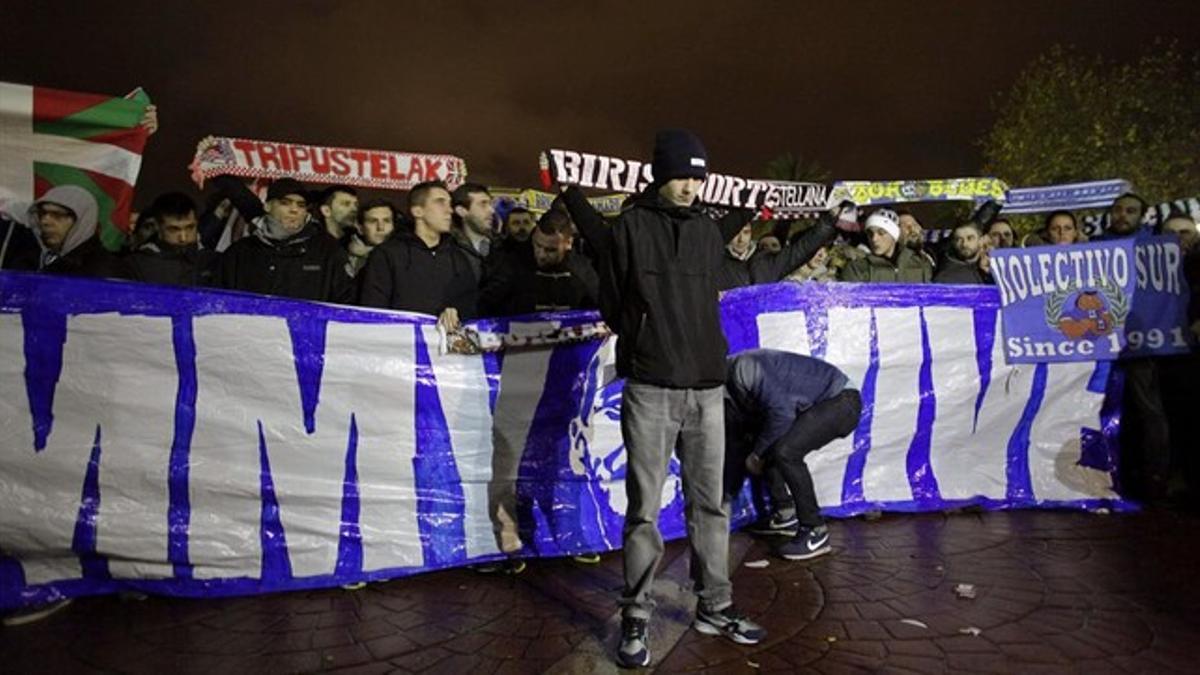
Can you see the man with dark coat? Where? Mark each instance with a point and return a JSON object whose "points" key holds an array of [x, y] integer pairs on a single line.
{"points": [[746, 264], [65, 221], [423, 270], [779, 407], [966, 260], [288, 254], [555, 279], [173, 257], [658, 292]]}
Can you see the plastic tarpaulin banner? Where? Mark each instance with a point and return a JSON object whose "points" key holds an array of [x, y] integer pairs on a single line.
{"points": [[208, 443]]}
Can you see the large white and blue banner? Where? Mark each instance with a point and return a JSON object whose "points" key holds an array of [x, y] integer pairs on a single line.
{"points": [[208, 443]]}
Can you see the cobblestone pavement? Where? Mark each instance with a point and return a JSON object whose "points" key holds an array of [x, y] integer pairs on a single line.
{"points": [[1054, 592]]}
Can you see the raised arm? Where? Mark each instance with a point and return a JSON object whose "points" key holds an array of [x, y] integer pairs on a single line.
{"points": [[765, 269], [243, 199]]}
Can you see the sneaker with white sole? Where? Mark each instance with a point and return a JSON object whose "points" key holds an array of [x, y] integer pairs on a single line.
{"points": [[634, 651], [730, 623], [807, 544], [35, 614], [775, 525]]}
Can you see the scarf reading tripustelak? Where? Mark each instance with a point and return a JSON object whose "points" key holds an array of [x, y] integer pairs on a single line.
{"points": [[381, 169], [778, 199]]}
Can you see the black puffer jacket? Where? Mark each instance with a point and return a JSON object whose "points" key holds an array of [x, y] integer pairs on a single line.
{"points": [[658, 287], [307, 266], [157, 264], [404, 273]]}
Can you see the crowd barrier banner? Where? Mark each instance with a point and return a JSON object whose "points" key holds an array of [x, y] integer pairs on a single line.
{"points": [[51, 137], [881, 193], [1067, 197], [1104, 300], [787, 200], [209, 443], [380, 169]]}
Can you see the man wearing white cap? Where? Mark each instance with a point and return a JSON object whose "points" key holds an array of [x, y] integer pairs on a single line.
{"points": [[887, 261]]}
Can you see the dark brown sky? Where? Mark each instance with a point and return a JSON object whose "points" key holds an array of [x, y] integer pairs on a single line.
{"points": [[869, 89]]}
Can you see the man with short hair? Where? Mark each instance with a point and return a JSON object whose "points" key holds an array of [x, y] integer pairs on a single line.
{"points": [[1181, 225], [746, 262], [966, 261], [288, 254], [375, 222], [888, 261], [912, 235], [659, 262], [423, 270], [779, 407], [1125, 217], [519, 224], [1001, 234], [473, 231], [65, 221], [339, 211], [557, 279], [172, 255]]}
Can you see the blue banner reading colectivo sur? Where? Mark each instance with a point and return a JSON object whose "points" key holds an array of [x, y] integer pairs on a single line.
{"points": [[207, 443], [1124, 298]]}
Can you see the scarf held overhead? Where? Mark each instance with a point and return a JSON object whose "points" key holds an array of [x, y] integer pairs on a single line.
{"points": [[380, 169], [785, 200]]}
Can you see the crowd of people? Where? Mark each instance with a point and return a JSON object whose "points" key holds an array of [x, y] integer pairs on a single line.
{"points": [[655, 272]]}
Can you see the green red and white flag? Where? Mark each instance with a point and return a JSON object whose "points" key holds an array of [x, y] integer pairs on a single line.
{"points": [[50, 137]]}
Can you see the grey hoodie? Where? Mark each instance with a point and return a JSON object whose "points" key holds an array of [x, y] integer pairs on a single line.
{"points": [[79, 201]]}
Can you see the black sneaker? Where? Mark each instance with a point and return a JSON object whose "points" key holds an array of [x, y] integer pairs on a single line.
{"points": [[808, 543], [775, 525], [634, 651], [730, 623]]}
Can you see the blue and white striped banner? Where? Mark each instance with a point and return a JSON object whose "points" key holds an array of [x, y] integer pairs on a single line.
{"points": [[207, 443]]}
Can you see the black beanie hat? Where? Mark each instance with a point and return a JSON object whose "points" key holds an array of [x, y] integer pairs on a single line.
{"points": [[679, 154], [284, 187]]}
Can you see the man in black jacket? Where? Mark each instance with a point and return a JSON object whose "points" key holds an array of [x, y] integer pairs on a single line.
{"points": [[555, 279], [966, 260], [288, 254], [746, 264], [659, 265], [423, 270], [173, 256]]}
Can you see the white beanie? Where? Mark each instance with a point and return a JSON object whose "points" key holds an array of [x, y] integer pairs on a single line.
{"points": [[886, 220]]}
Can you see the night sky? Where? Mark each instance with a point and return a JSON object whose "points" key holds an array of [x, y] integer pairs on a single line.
{"points": [[868, 89]]}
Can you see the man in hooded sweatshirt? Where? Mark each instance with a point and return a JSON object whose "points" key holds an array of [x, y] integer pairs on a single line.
{"points": [[658, 292], [66, 225], [288, 254], [172, 256], [422, 270]]}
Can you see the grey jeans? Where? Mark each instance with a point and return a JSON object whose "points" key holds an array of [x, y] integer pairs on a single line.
{"points": [[654, 421]]}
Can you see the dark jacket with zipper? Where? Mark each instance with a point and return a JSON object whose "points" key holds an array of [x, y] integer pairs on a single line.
{"points": [[517, 286], [658, 286], [768, 268], [90, 259], [309, 265], [156, 263], [404, 273]]}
